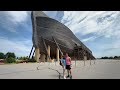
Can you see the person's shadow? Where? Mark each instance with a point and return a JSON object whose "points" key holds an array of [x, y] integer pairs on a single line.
{"points": [[60, 76]]}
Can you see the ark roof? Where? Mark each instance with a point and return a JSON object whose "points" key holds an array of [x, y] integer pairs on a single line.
{"points": [[38, 14]]}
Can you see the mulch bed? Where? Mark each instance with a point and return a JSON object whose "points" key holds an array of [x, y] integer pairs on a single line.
{"points": [[1, 61]]}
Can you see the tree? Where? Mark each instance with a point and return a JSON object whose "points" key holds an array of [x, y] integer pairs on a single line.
{"points": [[1, 55], [23, 58], [10, 54], [10, 60], [32, 59], [111, 57], [16, 57], [105, 57], [115, 57], [119, 57]]}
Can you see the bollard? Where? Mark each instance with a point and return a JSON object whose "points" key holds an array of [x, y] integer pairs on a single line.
{"points": [[75, 62], [94, 61], [55, 62], [84, 62], [90, 61]]}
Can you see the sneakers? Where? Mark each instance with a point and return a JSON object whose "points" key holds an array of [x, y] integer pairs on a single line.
{"points": [[68, 76], [64, 77]]}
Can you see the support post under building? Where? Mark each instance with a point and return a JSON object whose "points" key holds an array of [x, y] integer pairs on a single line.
{"points": [[48, 50], [42, 57], [37, 54], [57, 54]]}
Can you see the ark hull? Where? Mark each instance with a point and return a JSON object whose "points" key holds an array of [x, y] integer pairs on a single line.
{"points": [[46, 29]]}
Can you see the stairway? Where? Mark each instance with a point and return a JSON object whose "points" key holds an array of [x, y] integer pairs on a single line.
{"points": [[32, 52], [78, 53]]}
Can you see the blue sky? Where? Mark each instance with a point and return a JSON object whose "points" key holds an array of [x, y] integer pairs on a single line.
{"points": [[98, 30]]}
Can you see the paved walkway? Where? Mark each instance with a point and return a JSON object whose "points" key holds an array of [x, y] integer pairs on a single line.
{"points": [[102, 69]]}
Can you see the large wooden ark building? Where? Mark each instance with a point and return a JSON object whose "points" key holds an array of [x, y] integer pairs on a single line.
{"points": [[51, 39]]}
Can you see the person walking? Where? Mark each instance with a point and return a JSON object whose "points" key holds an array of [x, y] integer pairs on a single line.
{"points": [[68, 66], [63, 64]]}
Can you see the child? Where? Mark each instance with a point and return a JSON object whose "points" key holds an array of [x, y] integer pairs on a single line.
{"points": [[63, 64]]}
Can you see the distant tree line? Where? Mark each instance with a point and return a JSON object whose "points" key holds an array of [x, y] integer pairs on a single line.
{"points": [[23, 58], [10, 57], [114, 57]]}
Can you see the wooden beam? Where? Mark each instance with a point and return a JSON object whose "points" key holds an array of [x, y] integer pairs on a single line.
{"points": [[57, 54], [63, 45], [57, 45], [78, 54], [46, 48], [37, 54]]}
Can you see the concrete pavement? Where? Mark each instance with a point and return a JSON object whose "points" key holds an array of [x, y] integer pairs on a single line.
{"points": [[102, 69]]}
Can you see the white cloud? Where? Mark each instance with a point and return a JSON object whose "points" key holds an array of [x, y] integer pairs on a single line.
{"points": [[18, 47], [101, 23], [17, 16], [88, 39], [9, 20], [94, 25]]}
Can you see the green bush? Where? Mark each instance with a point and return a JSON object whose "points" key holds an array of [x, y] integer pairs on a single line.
{"points": [[32, 59], [23, 58], [1, 55], [10, 54], [10, 60]]}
